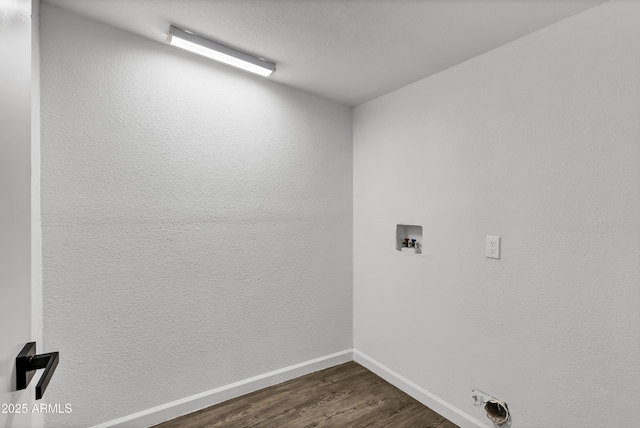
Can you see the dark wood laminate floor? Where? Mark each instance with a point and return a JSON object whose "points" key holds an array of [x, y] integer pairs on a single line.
{"points": [[347, 395]]}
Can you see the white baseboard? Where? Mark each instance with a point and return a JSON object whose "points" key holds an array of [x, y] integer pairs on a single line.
{"points": [[196, 402], [433, 402], [205, 399]]}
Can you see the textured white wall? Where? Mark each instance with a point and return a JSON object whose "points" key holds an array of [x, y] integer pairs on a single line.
{"points": [[537, 142], [196, 222]]}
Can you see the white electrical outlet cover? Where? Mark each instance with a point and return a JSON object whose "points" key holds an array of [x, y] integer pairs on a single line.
{"points": [[492, 250]]}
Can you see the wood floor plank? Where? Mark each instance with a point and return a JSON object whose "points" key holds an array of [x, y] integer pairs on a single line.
{"points": [[347, 395]]}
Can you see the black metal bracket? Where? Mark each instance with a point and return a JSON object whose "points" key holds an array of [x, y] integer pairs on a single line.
{"points": [[27, 362]]}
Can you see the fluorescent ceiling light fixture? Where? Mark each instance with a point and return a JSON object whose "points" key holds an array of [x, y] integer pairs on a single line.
{"points": [[216, 51]]}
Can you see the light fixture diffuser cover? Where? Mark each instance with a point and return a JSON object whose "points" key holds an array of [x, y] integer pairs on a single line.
{"points": [[219, 52]]}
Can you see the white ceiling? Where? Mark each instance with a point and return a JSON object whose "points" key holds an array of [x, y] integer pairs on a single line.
{"points": [[347, 50]]}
